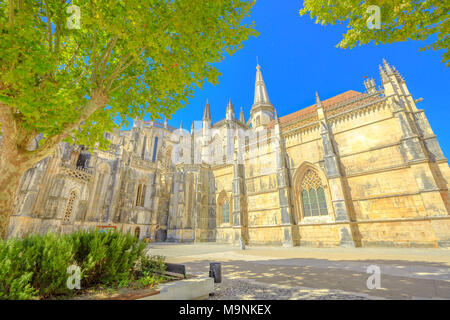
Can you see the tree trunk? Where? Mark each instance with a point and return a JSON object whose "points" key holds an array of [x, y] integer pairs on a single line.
{"points": [[12, 166], [10, 174]]}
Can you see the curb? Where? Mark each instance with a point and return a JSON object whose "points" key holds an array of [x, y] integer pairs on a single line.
{"points": [[197, 288]]}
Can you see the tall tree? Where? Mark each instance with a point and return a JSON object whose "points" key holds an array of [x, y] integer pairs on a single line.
{"points": [[401, 20], [128, 58]]}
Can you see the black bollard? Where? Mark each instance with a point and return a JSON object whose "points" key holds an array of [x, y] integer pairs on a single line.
{"points": [[215, 271]]}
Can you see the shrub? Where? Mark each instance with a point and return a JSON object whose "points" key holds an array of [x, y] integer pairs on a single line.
{"points": [[37, 265], [56, 255], [106, 258], [15, 271], [153, 264]]}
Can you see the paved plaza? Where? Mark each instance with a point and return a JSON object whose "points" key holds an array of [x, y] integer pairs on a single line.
{"points": [[316, 273]]}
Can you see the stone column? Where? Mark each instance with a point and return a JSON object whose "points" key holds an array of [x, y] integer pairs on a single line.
{"points": [[239, 210], [288, 227], [336, 181]]}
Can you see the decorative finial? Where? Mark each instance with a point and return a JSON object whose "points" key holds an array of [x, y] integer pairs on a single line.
{"points": [[230, 110], [382, 74], [387, 67], [241, 116], [318, 102]]}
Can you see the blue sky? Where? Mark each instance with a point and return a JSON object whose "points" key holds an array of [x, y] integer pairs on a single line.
{"points": [[298, 57]]}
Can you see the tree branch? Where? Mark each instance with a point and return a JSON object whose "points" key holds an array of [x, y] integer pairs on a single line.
{"points": [[72, 58], [11, 14], [94, 58], [122, 82], [49, 25], [121, 69], [57, 36], [104, 59]]}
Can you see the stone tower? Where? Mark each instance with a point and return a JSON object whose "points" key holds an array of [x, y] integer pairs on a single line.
{"points": [[262, 109]]}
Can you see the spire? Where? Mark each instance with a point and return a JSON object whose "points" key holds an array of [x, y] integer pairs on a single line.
{"points": [[261, 96], [262, 109], [230, 110], [277, 120], [241, 116], [192, 127], [165, 123], [181, 124], [207, 112]]}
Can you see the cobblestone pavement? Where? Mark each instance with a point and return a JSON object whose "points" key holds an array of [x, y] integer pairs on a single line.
{"points": [[235, 289], [316, 273]]}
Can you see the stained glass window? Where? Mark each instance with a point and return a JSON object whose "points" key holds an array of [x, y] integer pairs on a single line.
{"points": [[322, 201], [226, 212], [314, 203], [313, 195], [306, 205]]}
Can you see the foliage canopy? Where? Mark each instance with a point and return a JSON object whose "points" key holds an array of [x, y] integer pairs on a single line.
{"points": [[401, 20], [129, 58]]}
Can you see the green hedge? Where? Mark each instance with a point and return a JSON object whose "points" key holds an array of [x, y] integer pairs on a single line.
{"points": [[36, 266]]}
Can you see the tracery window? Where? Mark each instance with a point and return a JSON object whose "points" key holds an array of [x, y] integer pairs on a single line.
{"points": [[69, 206], [155, 149], [225, 212], [313, 195]]}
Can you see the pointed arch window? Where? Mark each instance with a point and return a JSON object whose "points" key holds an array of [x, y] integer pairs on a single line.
{"points": [[322, 202], [225, 212], [155, 149], [313, 195], [69, 206], [306, 203]]}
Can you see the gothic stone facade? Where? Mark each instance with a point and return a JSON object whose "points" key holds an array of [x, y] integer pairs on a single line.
{"points": [[358, 169]]}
